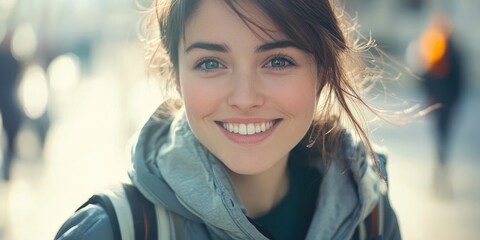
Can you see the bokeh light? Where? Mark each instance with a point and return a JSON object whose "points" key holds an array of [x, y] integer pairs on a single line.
{"points": [[64, 72], [33, 92], [24, 42], [3, 32], [6, 8]]}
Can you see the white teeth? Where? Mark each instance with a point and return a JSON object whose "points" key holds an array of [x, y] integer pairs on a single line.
{"points": [[242, 129], [248, 129]]}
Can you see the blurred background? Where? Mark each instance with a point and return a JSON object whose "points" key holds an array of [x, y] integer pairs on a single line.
{"points": [[74, 92]]}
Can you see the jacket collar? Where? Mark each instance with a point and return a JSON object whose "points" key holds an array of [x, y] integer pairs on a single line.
{"points": [[202, 191]]}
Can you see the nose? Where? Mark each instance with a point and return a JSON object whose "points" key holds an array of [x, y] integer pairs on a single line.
{"points": [[245, 92]]}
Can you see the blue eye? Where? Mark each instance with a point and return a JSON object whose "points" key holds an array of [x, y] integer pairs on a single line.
{"points": [[209, 64], [279, 62]]}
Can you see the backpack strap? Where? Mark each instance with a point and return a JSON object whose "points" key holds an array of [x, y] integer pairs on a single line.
{"points": [[103, 200], [163, 223], [376, 220], [143, 214], [132, 216], [371, 228]]}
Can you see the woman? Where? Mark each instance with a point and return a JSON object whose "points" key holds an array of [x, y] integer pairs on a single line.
{"points": [[255, 148]]}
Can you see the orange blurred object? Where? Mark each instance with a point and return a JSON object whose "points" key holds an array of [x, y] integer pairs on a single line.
{"points": [[433, 46]]}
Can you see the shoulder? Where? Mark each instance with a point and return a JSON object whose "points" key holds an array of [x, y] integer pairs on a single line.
{"points": [[363, 159], [90, 222]]}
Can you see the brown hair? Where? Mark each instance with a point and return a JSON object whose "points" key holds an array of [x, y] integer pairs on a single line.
{"points": [[315, 26]]}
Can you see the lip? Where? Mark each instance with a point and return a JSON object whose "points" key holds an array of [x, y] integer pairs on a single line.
{"points": [[248, 139], [246, 120]]}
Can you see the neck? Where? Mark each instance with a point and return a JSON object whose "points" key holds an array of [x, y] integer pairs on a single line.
{"points": [[263, 191]]}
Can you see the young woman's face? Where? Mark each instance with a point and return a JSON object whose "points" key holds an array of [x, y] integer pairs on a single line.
{"points": [[249, 98]]}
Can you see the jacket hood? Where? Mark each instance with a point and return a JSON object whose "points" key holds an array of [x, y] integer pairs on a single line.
{"points": [[172, 168]]}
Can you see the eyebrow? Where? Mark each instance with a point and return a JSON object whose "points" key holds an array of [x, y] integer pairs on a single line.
{"points": [[208, 46], [273, 45], [224, 48]]}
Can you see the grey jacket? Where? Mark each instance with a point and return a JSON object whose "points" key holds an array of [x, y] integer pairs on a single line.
{"points": [[171, 168]]}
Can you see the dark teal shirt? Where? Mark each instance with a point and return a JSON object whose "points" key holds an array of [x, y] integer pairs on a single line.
{"points": [[291, 218]]}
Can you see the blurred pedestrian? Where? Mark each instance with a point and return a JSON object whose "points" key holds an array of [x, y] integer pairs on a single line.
{"points": [[254, 146], [443, 80], [11, 114], [414, 5]]}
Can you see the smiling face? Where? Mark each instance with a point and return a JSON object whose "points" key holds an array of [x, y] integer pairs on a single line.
{"points": [[249, 97]]}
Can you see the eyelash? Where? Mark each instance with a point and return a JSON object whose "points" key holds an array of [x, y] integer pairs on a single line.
{"points": [[200, 65], [289, 62]]}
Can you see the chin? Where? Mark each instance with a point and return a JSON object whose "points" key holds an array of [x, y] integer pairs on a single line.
{"points": [[249, 166]]}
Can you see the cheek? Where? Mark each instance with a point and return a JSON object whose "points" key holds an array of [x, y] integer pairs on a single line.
{"points": [[301, 98], [303, 104], [199, 100], [300, 95]]}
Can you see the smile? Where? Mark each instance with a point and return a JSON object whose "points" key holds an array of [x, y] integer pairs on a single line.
{"points": [[248, 128]]}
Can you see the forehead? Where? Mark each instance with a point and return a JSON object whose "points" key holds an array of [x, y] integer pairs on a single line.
{"points": [[215, 19]]}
